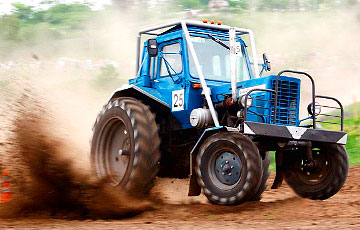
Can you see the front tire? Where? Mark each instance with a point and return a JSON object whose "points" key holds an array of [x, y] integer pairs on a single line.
{"points": [[125, 146], [322, 181], [228, 168]]}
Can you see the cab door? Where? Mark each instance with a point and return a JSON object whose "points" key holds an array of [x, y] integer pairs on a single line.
{"points": [[169, 77]]}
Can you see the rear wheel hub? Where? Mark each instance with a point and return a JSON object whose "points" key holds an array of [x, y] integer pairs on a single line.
{"points": [[116, 149]]}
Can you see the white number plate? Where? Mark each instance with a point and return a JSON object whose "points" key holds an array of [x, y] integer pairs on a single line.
{"points": [[177, 100], [246, 90]]}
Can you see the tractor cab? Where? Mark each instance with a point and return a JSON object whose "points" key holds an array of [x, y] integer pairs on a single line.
{"points": [[177, 63]]}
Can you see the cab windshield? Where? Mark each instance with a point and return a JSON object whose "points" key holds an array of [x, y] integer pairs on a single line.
{"points": [[214, 60]]}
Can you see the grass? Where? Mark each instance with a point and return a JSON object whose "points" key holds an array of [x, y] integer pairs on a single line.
{"points": [[351, 126]]}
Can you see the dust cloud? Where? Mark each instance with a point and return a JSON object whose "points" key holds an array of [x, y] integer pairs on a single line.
{"points": [[46, 116], [44, 176]]}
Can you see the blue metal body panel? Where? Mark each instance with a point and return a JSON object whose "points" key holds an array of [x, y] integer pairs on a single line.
{"points": [[262, 101], [162, 87]]}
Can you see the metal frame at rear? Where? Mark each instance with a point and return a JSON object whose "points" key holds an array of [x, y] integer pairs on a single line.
{"points": [[314, 96]]}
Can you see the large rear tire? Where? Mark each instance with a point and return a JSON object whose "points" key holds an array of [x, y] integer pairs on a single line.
{"points": [[323, 180], [125, 146], [228, 167], [257, 195]]}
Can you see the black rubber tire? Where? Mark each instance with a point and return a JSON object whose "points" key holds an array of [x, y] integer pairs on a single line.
{"points": [[251, 171], [257, 195], [144, 153], [337, 171]]}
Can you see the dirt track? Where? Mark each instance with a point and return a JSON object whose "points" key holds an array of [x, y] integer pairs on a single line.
{"points": [[279, 209]]}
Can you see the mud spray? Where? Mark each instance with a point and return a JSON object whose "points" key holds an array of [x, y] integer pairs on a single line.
{"points": [[44, 139], [44, 180]]}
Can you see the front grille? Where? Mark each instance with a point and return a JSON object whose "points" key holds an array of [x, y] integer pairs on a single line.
{"points": [[287, 104], [259, 102]]}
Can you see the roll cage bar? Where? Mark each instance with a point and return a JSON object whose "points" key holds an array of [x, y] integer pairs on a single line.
{"points": [[154, 32]]}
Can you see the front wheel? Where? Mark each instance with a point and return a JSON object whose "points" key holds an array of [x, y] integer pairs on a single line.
{"points": [[228, 168], [321, 178]]}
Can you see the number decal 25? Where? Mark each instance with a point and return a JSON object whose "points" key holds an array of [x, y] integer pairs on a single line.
{"points": [[177, 103]]}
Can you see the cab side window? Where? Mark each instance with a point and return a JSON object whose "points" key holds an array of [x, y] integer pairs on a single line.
{"points": [[173, 61]]}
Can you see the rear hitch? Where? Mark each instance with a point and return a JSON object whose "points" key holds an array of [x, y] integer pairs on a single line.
{"points": [[279, 170], [310, 163]]}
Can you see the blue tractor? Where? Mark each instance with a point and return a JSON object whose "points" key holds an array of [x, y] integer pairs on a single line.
{"points": [[199, 107]]}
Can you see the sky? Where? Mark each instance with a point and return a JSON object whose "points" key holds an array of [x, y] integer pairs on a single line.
{"points": [[6, 5]]}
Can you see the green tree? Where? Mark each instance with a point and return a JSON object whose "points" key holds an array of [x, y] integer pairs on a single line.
{"points": [[189, 4], [275, 4], [204, 2], [10, 27], [25, 23], [67, 13], [239, 4], [23, 12], [192, 4]]}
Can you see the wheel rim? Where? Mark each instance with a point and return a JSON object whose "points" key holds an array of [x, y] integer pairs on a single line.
{"points": [[113, 153], [317, 174], [225, 169]]}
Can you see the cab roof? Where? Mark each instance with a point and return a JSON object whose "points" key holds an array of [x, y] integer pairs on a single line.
{"points": [[170, 27]]}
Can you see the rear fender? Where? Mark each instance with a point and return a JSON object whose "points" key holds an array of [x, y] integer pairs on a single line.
{"points": [[136, 92], [157, 106]]}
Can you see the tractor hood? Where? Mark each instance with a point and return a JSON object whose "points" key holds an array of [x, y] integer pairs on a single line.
{"points": [[263, 102], [219, 90]]}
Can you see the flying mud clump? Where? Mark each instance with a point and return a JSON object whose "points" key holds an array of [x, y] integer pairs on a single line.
{"points": [[44, 180]]}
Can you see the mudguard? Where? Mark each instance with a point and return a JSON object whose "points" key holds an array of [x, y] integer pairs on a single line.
{"points": [[138, 93]]}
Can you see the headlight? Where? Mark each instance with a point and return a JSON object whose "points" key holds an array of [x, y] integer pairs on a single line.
{"points": [[201, 118], [249, 101], [317, 108]]}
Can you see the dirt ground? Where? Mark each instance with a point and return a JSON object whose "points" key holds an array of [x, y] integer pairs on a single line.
{"points": [[279, 209]]}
